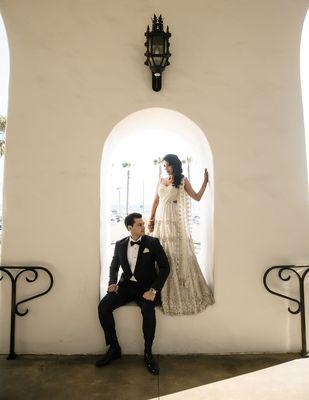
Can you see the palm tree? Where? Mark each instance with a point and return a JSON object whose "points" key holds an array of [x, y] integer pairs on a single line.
{"points": [[187, 161], [119, 190], [2, 123], [158, 161], [143, 205], [2, 134], [128, 165]]}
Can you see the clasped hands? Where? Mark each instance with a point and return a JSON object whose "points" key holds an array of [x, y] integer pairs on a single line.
{"points": [[113, 288]]}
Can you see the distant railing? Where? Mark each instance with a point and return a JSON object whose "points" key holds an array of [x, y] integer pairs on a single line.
{"points": [[287, 270], [197, 246], [14, 272]]}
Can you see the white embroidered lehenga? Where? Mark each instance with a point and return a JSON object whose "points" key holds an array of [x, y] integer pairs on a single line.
{"points": [[185, 291]]}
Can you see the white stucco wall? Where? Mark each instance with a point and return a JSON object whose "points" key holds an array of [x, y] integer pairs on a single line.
{"points": [[76, 71]]}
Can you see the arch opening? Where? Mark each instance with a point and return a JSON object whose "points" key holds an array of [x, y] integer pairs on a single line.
{"points": [[130, 168], [4, 84], [304, 68]]}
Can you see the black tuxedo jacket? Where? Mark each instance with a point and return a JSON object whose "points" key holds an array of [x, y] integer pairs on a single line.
{"points": [[145, 271]]}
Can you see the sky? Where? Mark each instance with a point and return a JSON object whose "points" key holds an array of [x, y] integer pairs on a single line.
{"points": [[4, 69], [144, 175]]}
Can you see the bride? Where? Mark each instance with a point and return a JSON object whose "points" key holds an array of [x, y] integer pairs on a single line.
{"points": [[185, 291]]}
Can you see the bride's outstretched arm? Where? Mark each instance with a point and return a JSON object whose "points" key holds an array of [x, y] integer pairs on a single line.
{"points": [[196, 195], [153, 211]]}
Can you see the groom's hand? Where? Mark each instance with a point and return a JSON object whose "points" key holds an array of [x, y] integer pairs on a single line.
{"points": [[149, 295], [112, 288]]}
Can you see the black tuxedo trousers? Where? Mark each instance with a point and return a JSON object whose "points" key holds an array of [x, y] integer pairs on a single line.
{"points": [[128, 291], [151, 271]]}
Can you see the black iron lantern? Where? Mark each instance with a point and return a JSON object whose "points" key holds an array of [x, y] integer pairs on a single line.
{"points": [[157, 44]]}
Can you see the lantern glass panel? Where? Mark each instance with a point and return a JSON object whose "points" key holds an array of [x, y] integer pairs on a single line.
{"points": [[157, 45], [148, 45], [157, 60]]}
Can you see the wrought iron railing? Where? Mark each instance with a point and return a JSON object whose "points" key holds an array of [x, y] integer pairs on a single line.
{"points": [[284, 273], [14, 272]]}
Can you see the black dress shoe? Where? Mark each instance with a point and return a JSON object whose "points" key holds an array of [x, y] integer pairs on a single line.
{"points": [[151, 364], [112, 354]]}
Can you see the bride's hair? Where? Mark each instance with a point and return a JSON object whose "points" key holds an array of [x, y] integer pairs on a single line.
{"points": [[175, 163]]}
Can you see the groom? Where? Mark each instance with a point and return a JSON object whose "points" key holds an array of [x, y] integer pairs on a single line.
{"points": [[140, 281]]}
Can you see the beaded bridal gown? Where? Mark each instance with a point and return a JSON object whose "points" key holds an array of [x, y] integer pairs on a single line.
{"points": [[185, 291]]}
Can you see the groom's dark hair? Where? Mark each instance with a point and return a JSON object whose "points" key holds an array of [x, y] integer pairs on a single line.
{"points": [[129, 219]]}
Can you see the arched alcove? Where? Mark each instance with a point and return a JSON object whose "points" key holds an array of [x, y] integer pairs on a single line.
{"points": [[138, 133]]}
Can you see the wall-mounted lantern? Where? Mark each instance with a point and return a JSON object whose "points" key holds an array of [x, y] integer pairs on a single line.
{"points": [[157, 44]]}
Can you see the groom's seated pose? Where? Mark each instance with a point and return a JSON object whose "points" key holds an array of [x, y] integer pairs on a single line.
{"points": [[140, 281]]}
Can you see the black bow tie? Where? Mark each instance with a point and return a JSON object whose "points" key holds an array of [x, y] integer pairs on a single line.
{"points": [[133, 243]]}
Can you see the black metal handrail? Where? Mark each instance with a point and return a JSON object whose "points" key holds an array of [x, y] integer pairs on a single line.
{"points": [[14, 306], [300, 303]]}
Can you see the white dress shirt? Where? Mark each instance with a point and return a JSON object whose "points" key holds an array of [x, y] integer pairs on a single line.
{"points": [[132, 253]]}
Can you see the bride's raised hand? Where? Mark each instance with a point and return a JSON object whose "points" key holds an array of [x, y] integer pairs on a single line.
{"points": [[205, 175]]}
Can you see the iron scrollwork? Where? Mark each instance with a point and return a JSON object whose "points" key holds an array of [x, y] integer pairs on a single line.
{"points": [[285, 273], [33, 273]]}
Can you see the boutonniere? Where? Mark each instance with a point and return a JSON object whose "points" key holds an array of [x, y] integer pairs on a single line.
{"points": [[146, 250]]}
